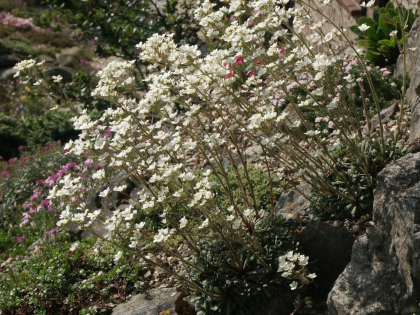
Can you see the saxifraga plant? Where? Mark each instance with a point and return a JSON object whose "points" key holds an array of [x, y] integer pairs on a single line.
{"points": [[384, 38], [229, 99]]}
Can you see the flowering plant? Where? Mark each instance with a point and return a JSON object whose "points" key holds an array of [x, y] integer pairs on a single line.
{"points": [[197, 122], [383, 35]]}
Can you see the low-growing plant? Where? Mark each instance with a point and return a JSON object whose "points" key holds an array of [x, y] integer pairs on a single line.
{"points": [[358, 186], [19, 178], [67, 278], [115, 27], [33, 131], [181, 142], [383, 38]]}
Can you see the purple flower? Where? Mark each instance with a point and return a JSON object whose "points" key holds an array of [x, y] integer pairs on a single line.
{"points": [[89, 163], [106, 133]]}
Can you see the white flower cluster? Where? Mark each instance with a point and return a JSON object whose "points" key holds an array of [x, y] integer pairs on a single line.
{"points": [[200, 112], [292, 266]]}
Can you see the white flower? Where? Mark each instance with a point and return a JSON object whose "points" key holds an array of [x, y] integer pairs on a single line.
{"points": [[364, 27], [413, 49], [99, 174], [57, 78], [312, 133], [204, 224], [104, 193], [24, 65], [183, 222], [367, 5], [117, 256], [293, 285], [230, 218], [303, 260], [393, 33], [312, 276], [120, 188], [74, 246], [248, 212]]}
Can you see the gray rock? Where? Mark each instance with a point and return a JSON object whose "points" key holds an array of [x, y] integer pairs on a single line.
{"points": [[412, 60], [293, 203], [65, 72], [75, 51], [149, 303], [415, 121], [383, 275], [254, 152], [412, 67], [49, 61], [279, 305], [7, 74], [67, 60], [9, 61], [386, 115], [292, 118], [329, 248]]}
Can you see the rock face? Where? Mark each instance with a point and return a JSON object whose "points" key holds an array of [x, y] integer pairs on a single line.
{"points": [[415, 121], [65, 72], [412, 61], [293, 203], [149, 303], [383, 276], [412, 66], [330, 248]]}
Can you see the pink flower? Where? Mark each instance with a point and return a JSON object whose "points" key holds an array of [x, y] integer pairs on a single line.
{"points": [[21, 239], [252, 74], [239, 60], [282, 51]]}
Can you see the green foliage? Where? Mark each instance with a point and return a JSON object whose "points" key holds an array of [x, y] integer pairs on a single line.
{"points": [[58, 280], [34, 131], [19, 177], [116, 27], [240, 284], [81, 88], [259, 181], [18, 45], [382, 48], [350, 181], [387, 88]]}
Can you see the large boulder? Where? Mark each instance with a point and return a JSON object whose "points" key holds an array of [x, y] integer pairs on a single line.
{"points": [[329, 247], [383, 276], [415, 121], [7, 74], [293, 204], [9, 61], [65, 72], [412, 62], [154, 302]]}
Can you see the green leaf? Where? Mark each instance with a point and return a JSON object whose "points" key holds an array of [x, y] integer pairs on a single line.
{"points": [[366, 20], [376, 14], [389, 5], [366, 43], [393, 12], [355, 29], [383, 25]]}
